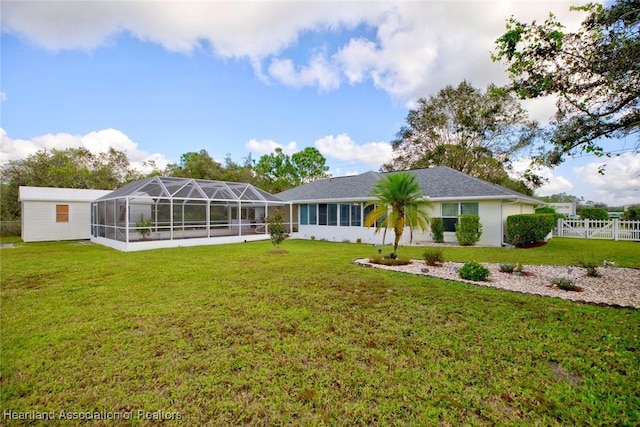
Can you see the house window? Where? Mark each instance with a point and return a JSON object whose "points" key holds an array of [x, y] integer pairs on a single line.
{"points": [[322, 214], [308, 214], [368, 209], [313, 214], [333, 213], [451, 212], [62, 213], [468, 209], [345, 214], [356, 215]]}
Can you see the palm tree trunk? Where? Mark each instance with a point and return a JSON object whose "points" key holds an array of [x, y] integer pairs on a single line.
{"points": [[396, 241]]}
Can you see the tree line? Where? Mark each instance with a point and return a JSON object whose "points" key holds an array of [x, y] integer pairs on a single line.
{"points": [[80, 168]]}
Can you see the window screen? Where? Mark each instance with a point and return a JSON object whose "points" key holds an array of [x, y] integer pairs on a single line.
{"points": [[356, 214], [345, 214], [468, 209], [304, 214]]}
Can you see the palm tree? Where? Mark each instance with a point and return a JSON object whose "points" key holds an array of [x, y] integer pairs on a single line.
{"points": [[399, 202]]}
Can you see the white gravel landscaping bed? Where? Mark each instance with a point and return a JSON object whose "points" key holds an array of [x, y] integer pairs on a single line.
{"points": [[615, 286]]}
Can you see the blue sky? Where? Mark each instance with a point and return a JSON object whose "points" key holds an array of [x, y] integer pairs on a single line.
{"points": [[158, 79]]}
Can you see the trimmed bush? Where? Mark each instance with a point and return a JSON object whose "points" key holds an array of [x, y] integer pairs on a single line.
{"points": [[526, 229], [386, 260], [550, 210], [468, 229], [507, 268], [433, 256], [566, 284], [437, 230], [473, 271], [546, 210], [594, 213]]}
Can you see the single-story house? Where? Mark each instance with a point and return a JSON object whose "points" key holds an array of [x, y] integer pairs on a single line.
{"points": [[334, 209], [164, 212], [50, 214]]}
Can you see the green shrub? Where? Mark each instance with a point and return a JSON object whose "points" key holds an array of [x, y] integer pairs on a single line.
{"points": [[468, 230], [277, 230], [433, 256], [526, 229], [473, 271], [565, 284], [507, 268], [594, 213], [591, 266], [546, 210], [143, 227], [632, 214], [10, 228], [550, 210], [437, 230], [385, 260]]}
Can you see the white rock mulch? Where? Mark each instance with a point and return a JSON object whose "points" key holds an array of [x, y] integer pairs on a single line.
{"points": [[615, 286]]}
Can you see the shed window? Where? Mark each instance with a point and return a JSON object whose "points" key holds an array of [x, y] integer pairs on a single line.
{"points": [[62, 213]]}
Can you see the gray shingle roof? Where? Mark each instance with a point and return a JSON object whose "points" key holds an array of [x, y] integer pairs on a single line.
{"points": [[437, 183]]}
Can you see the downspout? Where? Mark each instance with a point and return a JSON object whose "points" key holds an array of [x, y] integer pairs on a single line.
{"points": [[502, 220]]}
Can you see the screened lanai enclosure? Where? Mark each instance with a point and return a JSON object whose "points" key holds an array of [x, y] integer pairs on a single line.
{"points": [[163, 212]]}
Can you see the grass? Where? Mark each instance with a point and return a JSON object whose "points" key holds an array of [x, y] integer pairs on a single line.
{"points": [[232, 334]]}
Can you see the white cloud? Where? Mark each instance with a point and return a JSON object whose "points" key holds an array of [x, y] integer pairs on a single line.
{"points": [[3, 96], [620, 183], [319, 73], [342, 147], [96, 142], [267, 146], [417, 47], [554, 184]]}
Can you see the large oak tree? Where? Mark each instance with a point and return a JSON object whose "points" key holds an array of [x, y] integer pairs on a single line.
{"points": [[594, 72], [476, 132]]}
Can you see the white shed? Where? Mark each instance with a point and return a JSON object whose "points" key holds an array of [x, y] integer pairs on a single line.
{"points": [[50, 214]]}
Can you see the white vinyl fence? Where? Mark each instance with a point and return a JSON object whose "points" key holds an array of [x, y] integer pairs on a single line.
{"points": [[597, 229]]}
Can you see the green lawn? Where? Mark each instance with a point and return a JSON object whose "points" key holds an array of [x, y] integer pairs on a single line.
{"points": [[232, 334]]}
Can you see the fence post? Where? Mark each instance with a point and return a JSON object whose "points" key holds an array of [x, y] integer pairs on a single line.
{"points": [[615, 229], [585, 227], [559, 226]]}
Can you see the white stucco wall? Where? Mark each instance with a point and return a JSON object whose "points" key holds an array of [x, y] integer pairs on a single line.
{"points": [[493, 215], [39, 221], [490, 218]]}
